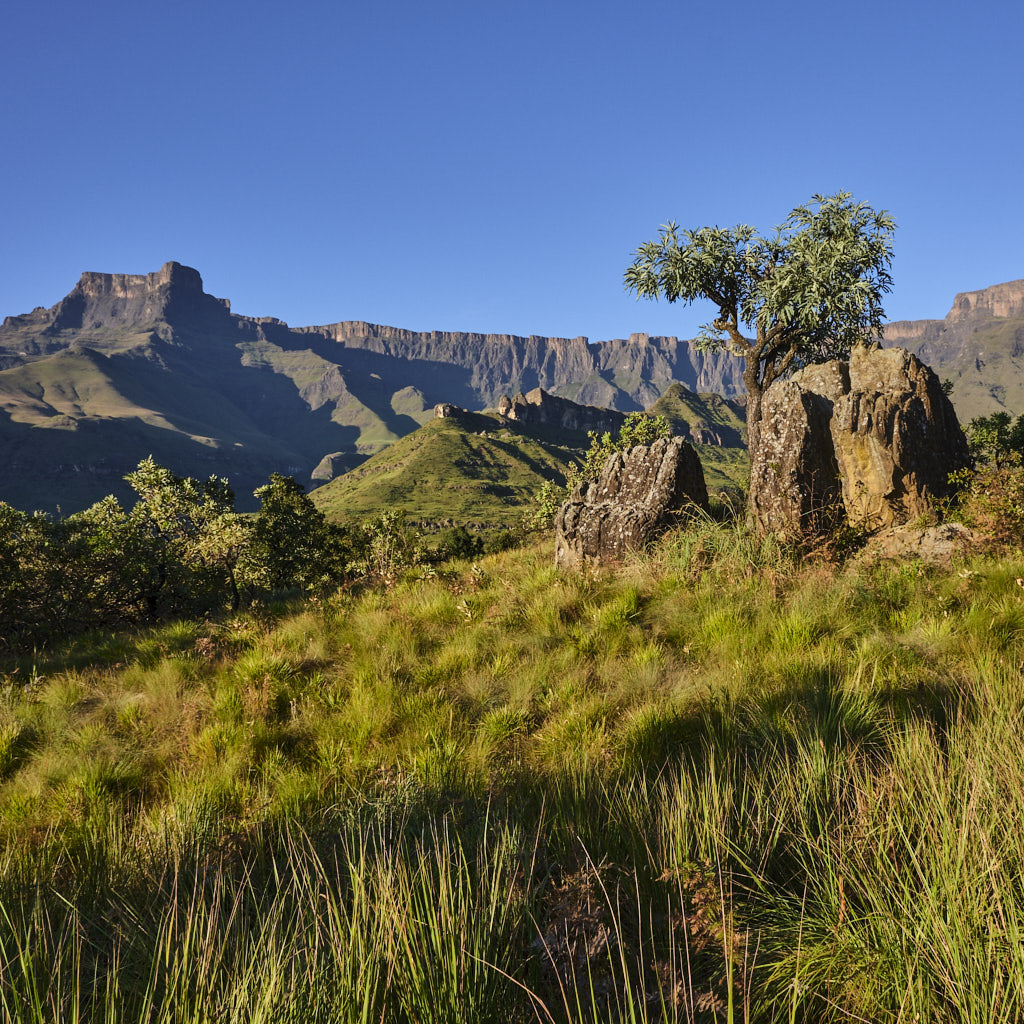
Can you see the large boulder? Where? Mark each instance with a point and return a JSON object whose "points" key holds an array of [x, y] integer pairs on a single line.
{"points": [[635, 499], [794, 480], [896, 438], [871, 442], [933, 545]]}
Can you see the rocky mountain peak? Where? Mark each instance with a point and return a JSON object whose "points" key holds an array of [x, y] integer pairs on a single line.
{"points": [[539, 408], [1001, 300], [171, 275], [98, 301]]}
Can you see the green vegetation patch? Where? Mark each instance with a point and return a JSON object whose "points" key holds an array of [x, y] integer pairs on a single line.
{"points": [[447, 473], [717, 777]]}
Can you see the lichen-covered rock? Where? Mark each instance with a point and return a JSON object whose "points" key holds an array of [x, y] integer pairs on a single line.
{"points": [[872, 441], [794, 480], [663, 475], [636, 498], [896, 438], [602, 533]]}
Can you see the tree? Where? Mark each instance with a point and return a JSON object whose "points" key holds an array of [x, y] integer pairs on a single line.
{"points": [[190, 539], [996, 439], [806, 293], [292, 544]]}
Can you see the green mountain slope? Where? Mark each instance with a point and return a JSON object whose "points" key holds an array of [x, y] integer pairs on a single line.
{"points": [[717, 429], [474, 470], [483, 471], [703, 418]]}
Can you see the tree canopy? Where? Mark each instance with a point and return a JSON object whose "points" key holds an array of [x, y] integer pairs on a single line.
{"points": [[805, 293]]}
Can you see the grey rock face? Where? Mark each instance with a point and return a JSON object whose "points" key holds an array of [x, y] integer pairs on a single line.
{"points": [[538, 408], [794, 480], [872, 441], [635, 499], [896, 438]]}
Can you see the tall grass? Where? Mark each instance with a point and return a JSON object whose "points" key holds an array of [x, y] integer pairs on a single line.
{"points": [[717, 784]]}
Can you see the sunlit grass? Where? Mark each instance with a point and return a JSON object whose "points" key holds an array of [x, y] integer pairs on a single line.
{"points": [[714, 781]]}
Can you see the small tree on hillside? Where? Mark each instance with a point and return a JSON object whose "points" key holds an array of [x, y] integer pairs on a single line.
{"points": [[804, 294], [188, 536], [291, 543]]}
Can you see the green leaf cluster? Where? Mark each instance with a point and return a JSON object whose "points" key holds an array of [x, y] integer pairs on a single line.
{"points": [[181, 550], [813, 285], [804, 293], [638, 429], [997, 439]]}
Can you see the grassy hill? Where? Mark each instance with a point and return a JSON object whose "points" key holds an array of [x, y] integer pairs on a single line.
{"points": [[73, 423], [715, 778], [717, 428], [703, 417], [476, 470], [481, 471]]}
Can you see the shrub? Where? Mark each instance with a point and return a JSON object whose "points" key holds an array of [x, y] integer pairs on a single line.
{"points": [[991, 500]]}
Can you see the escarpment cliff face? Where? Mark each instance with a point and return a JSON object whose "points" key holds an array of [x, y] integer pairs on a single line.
{"points": [[128, 365], [112, 312], [978, 346], [623, 374]]}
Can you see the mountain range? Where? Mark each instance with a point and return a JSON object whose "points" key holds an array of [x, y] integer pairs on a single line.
{"points": [[979, 346], [128, 365]]}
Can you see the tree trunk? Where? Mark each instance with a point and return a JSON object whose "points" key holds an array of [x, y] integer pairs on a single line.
{"points": [[752, 383]]}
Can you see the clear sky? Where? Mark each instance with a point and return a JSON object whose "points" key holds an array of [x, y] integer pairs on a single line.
{"points": [[491, 167]]}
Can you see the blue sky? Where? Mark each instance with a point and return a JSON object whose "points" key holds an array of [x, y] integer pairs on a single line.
{"points": [[492, 167]]}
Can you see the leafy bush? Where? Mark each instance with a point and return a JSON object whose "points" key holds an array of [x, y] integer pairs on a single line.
{"points": [[458, 542], [992, 501], [384, 547], [181, 550], [996, 439], [638, 429]]}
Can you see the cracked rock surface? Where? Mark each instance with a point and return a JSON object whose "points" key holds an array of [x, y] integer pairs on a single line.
{"points": [[635, 499]]}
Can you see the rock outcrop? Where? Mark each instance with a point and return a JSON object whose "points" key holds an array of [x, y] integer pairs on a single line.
{"points": [[794, 480], [538, 408], [637, 496], [1000, 300], [872, 441], [933, 545], [896, 438], [174, 292]]}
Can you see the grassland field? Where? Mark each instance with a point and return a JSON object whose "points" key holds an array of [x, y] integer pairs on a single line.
{"points": [[719, 782]]}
